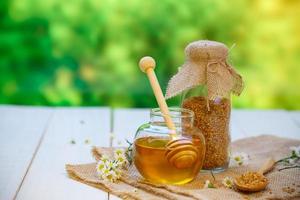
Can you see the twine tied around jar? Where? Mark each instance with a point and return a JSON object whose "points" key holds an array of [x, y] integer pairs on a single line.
{"points": [[206, 64]]}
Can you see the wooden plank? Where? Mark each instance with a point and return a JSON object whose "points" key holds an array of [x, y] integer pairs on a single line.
{"points": [[21, 129], [46, 178], [126, 122], [295, 116], [276, 122], [236, 130]]}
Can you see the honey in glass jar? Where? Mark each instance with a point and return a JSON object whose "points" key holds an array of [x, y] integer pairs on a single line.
{"points": [[162, 159]]}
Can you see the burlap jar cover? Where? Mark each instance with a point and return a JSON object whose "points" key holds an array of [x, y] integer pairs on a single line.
{"points": [[283, 184], [206, 64]]}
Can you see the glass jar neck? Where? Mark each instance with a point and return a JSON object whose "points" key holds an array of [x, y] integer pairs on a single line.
{"points": [[181, 117]]}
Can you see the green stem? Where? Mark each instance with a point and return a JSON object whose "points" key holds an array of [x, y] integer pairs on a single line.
{"points": [[289, 167], [212, 173], [130, 143], [284, 159]]}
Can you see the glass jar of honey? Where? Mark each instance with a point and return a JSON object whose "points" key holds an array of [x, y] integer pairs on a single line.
{"points": [[164, 157]]}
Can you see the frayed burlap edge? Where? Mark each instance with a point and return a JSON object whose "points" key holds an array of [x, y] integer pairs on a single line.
{"points": [[72, 174], [155, 192]]}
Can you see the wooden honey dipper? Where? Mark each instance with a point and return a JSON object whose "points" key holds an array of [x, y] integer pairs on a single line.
{"points": [[181, 153]]}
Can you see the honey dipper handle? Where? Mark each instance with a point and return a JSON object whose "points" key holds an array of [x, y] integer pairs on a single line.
{"points": [[267, 166], [147, 65]]}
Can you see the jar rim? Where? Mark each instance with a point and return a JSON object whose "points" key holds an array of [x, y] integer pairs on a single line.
{"points": [[175, 112]]}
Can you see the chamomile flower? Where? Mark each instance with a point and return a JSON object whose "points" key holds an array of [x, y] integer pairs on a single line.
{"points": [[295, 151], [111, 169], [112, 165], [118, 152], [228, 182], [110, 176], [118, 173], [120, 157], [104, 172], [101, 166], [208, 184], [121, 160], [239, 158], [105, 158], [292, 158]]}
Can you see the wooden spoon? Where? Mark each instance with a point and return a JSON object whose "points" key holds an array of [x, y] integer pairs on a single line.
{"points": [[181, 152], [255, 181], [147, 65]]}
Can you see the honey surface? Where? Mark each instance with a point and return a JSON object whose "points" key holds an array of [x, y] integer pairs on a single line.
{"points": [[151, 162]]}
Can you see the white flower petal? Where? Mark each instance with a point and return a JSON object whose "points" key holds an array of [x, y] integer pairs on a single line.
{"points": [[105, 158], [239, 158], [101, 166], [208, 184], [111, 170], [228, 182], [291, 161], [119, 151], [111, 176], [296, 150]]}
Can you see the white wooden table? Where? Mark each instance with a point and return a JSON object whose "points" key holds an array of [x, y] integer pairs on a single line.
{"points": [[35, 144]]}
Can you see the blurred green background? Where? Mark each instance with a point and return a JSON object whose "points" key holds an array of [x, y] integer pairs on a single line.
{"points": [[85, 52]]}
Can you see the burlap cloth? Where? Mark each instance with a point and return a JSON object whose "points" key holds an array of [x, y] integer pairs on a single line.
{"points": [[206, 64], [283, 184]]}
